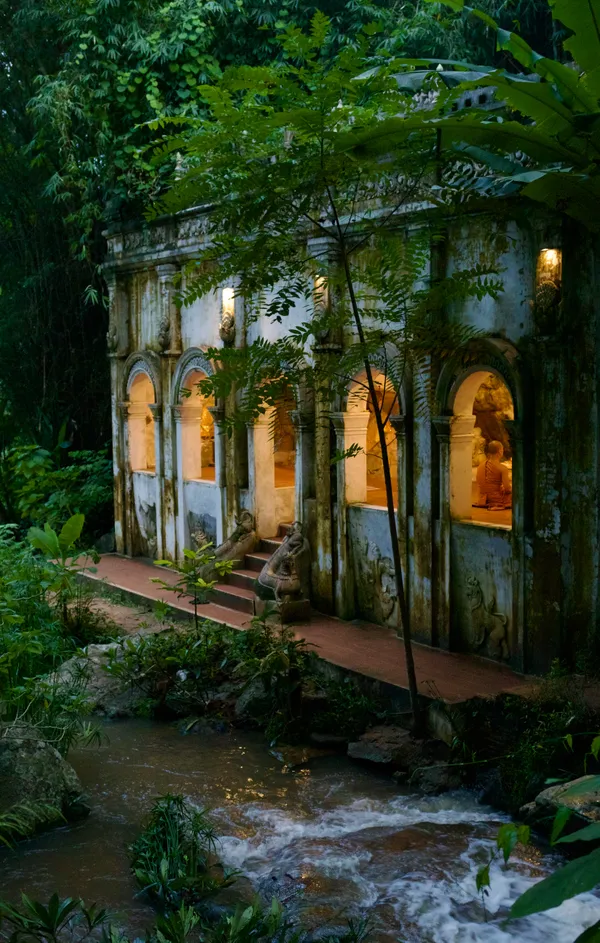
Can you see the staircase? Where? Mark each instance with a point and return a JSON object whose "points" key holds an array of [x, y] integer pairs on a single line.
{"points": [[236, 589]]}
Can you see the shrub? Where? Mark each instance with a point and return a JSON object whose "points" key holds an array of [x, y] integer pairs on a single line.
{"points": [[172, 858]]}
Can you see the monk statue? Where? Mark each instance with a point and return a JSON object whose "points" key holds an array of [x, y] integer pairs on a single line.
{"points": [[493, 479]]}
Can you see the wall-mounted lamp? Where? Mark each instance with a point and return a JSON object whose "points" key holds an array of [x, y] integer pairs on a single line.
{"points": [[549, 266], [548, 279], [227, 325]]}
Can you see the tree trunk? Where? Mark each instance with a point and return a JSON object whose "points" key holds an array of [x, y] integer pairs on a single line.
{"points": [[391, 510]]}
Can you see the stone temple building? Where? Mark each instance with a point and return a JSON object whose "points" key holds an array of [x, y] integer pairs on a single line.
{"points": [[513, 579]]}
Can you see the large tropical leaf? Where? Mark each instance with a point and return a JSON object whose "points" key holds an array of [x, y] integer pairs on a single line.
{"points": [[45, 540], [575, 878], [71, 532], [583, 18], [468, 128], [591, 935]]}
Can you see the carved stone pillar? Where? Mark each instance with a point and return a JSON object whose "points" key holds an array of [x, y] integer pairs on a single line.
{"points": [[461, 464], [169, 338], [117, 338], [441, 600], [261, 475], [516, 627], [180, 522], [121, 477], [218, 415], [399, 425], [304, 467], [159, 478]]}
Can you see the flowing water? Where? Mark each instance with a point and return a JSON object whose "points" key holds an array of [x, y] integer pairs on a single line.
{"points": [[338, 839]]}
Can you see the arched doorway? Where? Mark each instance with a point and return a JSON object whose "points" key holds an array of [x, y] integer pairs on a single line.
{"points": [[481, 451], [141, 438], [197, 430]]}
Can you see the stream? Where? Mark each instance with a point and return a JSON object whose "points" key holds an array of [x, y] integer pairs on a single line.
{"points": [[342, 840]]}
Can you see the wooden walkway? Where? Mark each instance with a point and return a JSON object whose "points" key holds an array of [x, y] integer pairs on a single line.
{"points": [[371, 650]]}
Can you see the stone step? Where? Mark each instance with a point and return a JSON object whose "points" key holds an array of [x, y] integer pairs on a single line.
{"points": [[270, 544], [233, 597], [243, 578], [255, 561]]}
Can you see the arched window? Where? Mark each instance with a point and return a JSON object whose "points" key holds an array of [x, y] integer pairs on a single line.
{"points": [[197, 430], [480, 450], [284, 443], [388, 403], [142, 449]]}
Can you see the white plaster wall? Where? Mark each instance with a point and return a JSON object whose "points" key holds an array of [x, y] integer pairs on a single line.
{"points": [[200, 321], [509, 314], [203, 498], [146, 309], [486, 554], [272, 330], [144, 502]]}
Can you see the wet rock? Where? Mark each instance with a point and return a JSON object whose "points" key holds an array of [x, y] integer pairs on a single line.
{"points": [[300, 757], [387, 746], [104, 693], [585, 806], [331, 740], [253, 702], [32, 770], [424, 761], [435, 779], [240, 892], [283, 886]]}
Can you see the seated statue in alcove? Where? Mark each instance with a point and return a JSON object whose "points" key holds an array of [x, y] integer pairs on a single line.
{"points": [[493, 479]]}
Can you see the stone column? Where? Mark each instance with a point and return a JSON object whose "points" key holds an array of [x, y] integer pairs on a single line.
{"points": [[355, 425], [399, 425], [441, 598], [120, 464], [516, 628], [461, 466], [170, 315], [305, 461], [218, 414], [350, 429], [128, 500], [117, 338], [261, 474], [180, 509], [159, 476]]}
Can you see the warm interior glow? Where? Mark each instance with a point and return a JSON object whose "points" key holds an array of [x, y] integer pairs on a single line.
{"points": [[228, 300], [197, 431], [142, 456], [549, 264], [284, 444], [388, 403]]}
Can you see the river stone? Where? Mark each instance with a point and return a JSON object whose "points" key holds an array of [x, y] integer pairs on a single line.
{"points": [[387, 746], [586, 805], [104, 693], [253, 702], [32, 770]]}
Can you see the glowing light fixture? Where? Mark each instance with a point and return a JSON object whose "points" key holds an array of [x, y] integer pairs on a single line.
{"points": [[228, 300], [549, 266]]}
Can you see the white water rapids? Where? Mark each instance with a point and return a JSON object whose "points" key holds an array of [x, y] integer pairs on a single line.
{"points": [[334, 840]]}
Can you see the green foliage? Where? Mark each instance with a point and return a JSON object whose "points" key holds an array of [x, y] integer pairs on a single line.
{"points": [[191, 573], [22, 820], [171, 858], [59, 920], [349, 711], [556, 106]]}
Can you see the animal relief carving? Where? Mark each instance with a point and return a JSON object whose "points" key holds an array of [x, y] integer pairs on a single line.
{"points": [[489, 627]]}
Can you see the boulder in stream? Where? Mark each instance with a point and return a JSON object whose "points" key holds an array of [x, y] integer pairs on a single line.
{"points": [[424, 761], [105, 693], [33, 771], [585, 804]]}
